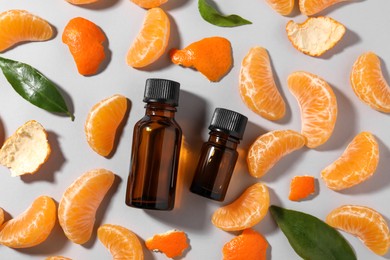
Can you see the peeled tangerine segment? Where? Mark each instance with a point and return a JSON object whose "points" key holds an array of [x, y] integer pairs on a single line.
{"points": [[19, 25], [269, 148], [363, 222], [172, 243], [318, 106], [257, 85], [316, 35], [149, 3], [283, 7], [357, 163], [210, 56], [26, 150], [31, 227], [312, 7], [245, 212], [369, 84]]}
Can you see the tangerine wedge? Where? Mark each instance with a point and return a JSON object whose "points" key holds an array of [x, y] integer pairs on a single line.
{"points": [[269, 148], [369, 84], [57, 257], [363, 222], [357, 163], [318, 106], [316, 35], [31, 227], [172, 243], [246, 211], [102, 123], [78, 205], [147, 4], [283, 7], [121, 242], [18, 26], [312, 7], [82, 2], [257, 85], [1, 217], [151, 41]]}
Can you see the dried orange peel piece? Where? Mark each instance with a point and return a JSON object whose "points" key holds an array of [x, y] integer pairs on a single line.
{"points": [[172, 243], [316, 35], [210, 56], [85, 42], [31, 227], [147, 4], [26, 150], [283, 7], [369, 84], [301, 187], [363, 222], [19, 26], [312, 7], [357, 163], [250, 245]]}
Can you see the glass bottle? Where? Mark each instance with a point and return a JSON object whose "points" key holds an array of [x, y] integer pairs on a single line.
{"points": [[155, 149], [218, 155]]}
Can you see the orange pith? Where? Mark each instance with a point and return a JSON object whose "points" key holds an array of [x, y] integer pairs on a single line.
{"points": [[172, 243], [151, 41], [269, 148], [19, 25], [210, 56], [357, 163], [257, 85], [103, 122], [245, 212], [31, 227], [363, 222], [78, 205], [316, 35], [301, 187], [85, 42], [368, 82], [149, 3], [283, 7], [318, 106], [312, 7], [121, 242], [250, 245]]}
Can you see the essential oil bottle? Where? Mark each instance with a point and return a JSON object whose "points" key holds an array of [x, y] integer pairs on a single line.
{"points": [[218, 155], [155, 149]]}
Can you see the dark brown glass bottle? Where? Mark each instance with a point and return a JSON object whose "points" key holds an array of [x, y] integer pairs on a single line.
{"points": [[218, 155], [155, 149]]}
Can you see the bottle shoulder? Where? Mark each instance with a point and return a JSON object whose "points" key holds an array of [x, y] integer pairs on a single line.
{"points": [[157, 122]]}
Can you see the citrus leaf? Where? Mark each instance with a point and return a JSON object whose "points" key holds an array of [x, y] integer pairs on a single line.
{"points": [[34, 87], [211, 15], [310, 237]]}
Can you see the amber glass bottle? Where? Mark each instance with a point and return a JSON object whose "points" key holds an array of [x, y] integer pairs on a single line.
{"points": [[218, 155], [155, 149]]}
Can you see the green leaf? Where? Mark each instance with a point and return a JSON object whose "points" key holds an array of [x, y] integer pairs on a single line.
{"points": [[34, 87], [211, 15], [310, 237]]}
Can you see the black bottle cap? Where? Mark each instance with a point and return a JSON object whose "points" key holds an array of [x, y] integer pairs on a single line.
{"points": [[162, 91], [229, 122]]}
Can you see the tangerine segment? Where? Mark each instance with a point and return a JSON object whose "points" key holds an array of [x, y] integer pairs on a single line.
{"points": [[102, 123], [121, 242], [257, 85], [81, 2], [357, 163], [369, 84], [283, 7], [1, 217], [19, 25], [269, 148], [250, 245], [57, 258], [31, 227], [245, 212], [172, 243], [301, 187], [85, 42], [316, 35], [26, 150], [312, 7], [149, 3], [318, 106], [363, 222], [78, 205], [210, 56], [151, 41]]}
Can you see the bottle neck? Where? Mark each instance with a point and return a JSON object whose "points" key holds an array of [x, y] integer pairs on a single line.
{"points": [[223, 139], [160, 109]]}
